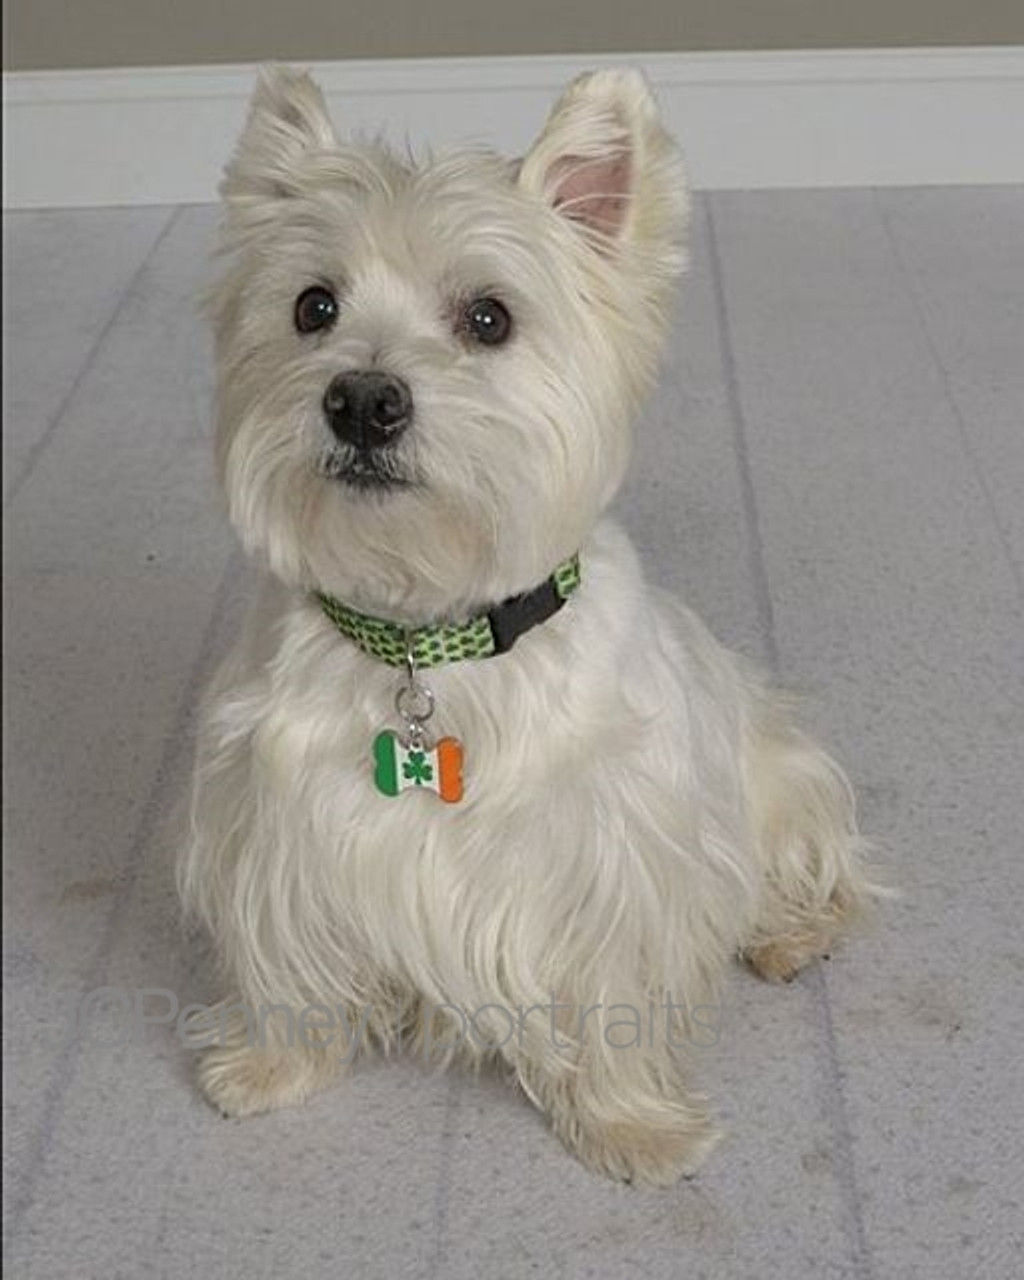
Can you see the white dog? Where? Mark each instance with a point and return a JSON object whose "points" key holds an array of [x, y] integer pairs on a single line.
{"points": [[468, 779]]}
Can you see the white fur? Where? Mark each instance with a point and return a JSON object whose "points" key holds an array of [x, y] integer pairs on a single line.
{"points": [[638, 808]]}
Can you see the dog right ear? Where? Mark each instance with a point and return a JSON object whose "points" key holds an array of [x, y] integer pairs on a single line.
{"points": [[606, 164], [287, 120]]}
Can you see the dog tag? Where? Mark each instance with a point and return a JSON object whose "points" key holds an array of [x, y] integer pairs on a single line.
{"points": [[416, 766], [413, 760]]}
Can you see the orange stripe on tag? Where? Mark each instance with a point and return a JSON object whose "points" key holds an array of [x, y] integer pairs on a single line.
{"points": [[449, 769]]}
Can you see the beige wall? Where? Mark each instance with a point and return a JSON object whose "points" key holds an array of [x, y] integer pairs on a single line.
{"points": [[98, 33]]}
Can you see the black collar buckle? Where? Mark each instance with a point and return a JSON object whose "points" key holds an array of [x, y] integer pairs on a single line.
{"points": [[510, 619]]}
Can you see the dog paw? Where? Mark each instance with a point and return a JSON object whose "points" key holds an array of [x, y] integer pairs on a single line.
{"points": [[782, 961], [645, 1154], [246, 1081]]}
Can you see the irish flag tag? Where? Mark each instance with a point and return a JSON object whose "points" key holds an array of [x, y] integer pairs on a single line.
{"points": [[417, 766]]}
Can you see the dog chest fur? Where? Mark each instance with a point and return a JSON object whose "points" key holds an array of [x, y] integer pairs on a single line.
{"points": [[287, 810]]}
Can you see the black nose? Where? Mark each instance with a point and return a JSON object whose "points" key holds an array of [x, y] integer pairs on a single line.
{"points": [[367, 408]]}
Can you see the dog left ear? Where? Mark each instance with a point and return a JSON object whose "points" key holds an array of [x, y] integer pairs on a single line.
{"points": [[287, 119], [606, 163]]}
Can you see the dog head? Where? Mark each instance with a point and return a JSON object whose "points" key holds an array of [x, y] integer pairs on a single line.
{"points": [[427, 374]]}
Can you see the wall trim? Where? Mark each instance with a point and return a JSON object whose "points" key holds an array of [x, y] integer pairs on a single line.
{"points": [[821, 118]]}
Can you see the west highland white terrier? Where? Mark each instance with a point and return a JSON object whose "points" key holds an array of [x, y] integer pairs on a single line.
{"points": [[468, 782]]}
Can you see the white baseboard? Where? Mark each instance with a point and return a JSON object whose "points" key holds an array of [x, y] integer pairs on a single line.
{"points": [[880, 117]]}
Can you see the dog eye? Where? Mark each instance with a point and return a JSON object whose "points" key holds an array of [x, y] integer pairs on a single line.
{"points": [[316, 308], [488, 321]]}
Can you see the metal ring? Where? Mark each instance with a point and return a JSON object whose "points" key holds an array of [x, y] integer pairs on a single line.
{"points": [[411, 712]]}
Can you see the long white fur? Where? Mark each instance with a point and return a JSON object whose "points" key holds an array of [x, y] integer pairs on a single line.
{"points": [[639, 808]]}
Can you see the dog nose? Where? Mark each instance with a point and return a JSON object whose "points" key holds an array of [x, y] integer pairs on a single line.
{"points": [[367, 408]]}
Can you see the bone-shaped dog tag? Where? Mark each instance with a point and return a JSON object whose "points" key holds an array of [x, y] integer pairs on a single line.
{"points": [[400, 766]]}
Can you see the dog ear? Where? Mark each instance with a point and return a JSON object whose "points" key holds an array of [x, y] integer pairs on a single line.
{"points": [[287, 120], [605, 162]]}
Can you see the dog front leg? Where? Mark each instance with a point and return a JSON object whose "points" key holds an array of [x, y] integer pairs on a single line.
{"points": [[260, 1058], [622, 1109]]}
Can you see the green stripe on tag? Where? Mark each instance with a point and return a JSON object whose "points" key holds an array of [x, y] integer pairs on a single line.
{"points": [[385, 755]]}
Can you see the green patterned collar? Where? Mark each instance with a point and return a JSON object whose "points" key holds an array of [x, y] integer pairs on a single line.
{"points": [[484, 636]]}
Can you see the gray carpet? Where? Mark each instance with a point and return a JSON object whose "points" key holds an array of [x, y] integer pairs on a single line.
{"points": [[833, 474]]}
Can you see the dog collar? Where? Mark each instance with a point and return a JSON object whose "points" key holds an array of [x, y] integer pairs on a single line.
{"points": [[483, 636]]}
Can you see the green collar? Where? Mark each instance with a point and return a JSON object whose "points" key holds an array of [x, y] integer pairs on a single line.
{"points": [[483, 636]]}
